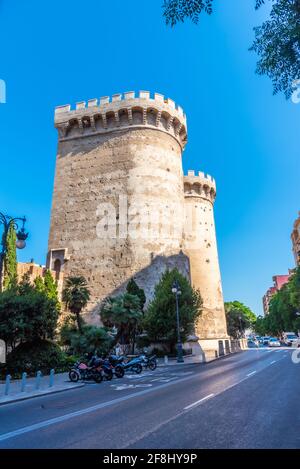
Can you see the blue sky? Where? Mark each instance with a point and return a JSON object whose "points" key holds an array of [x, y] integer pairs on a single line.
{"points": [[58, 52]]}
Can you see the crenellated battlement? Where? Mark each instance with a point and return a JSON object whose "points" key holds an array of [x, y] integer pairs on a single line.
{"points": [[199, 185], [121, 111]]}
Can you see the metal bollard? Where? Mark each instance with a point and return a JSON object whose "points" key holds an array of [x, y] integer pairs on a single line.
{"points": [[166, 359], [7, 384], [51, 380], [23, 382], [38, 379]]}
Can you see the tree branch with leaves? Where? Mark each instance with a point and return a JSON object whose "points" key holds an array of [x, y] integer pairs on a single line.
{"points": [[277, 40]]}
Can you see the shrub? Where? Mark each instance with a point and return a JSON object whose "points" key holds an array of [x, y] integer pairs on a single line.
{"points": [[26, 315], [41, 355], [91, 339]]}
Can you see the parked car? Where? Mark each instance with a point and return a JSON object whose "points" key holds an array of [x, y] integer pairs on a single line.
{"points": [[252, 343], [274, 342], [296, 343], [289, 338], [265, 340]]}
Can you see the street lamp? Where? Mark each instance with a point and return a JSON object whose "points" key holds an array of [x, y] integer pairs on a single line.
{"points": [[241, 327], [176, 290], [21, 234]]}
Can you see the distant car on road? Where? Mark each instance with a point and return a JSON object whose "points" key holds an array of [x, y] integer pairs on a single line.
{"points": [[274, 342], [252, 343], [289, 338], [265, 340], [296, 343]]}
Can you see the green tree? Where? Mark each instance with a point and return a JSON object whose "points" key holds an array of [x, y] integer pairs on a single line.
{"points": [[39, 284], [284, 309], [134, 289], [160, 319], [26, 315], [245, 310], [76, 296], [10, 259], [11, 318], [260, 326], [282, 313], [277, 40], [239, 318], [294, 283], [123, 312], [176, 11], [50, 285], [25, 286]]}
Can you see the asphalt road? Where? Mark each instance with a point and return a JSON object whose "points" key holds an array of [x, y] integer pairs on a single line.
{"points": [[245, 400]]}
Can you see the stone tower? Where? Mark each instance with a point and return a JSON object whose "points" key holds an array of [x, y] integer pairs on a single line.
{"points": [[123, 152], [120, 199], [200, 245]]}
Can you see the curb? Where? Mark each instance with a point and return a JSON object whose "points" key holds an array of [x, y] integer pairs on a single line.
{"points": [[203, 362], [179, 364], [41, 394]]}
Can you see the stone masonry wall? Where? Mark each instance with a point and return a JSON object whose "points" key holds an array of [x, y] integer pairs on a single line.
{"points": [[96, 176]]}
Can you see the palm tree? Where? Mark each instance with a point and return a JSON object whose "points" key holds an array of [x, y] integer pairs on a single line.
{"points": [[123, 312], [76, 296]]}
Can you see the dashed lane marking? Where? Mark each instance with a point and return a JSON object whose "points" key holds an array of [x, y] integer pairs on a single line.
{"points": [[194, 404], [87, 410], [252, 373]]}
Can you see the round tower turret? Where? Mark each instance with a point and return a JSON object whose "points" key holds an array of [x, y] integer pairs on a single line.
{"points": [[201, 247], [118, 202]]}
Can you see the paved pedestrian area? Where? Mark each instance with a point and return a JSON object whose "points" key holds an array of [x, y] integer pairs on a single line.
{"points": [[32, 388]]}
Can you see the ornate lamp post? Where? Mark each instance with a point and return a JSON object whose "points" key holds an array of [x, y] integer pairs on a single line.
{"points": [[7, 222], [176, 290]]}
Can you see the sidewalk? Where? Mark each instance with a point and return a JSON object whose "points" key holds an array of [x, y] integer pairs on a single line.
{"points": [[190, 360], [61, 383]]}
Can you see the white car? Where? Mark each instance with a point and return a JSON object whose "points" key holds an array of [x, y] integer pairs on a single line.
{"points": [[274, 342], [289, 338], [296, 343]]}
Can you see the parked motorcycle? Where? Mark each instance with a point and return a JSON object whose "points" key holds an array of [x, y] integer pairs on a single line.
{"points": [[134, 365], [104, 369], [149, 362], [81, 371], [116, 363]]}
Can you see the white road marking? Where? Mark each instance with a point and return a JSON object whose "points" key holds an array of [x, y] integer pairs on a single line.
{"points": [[199, 402], [143, 385], [252, 373], [122, 386], [87, 410], [274, 361], [136, 376]]}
